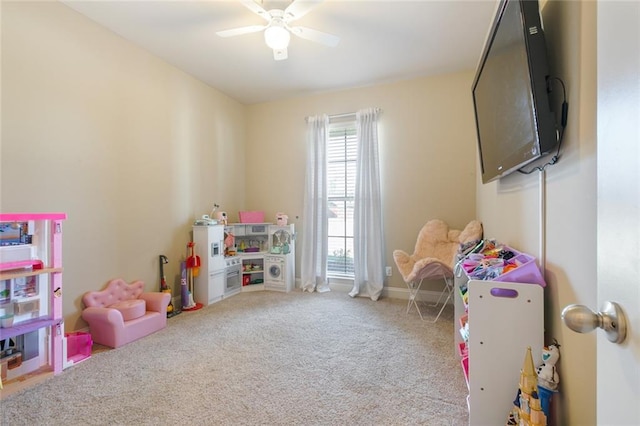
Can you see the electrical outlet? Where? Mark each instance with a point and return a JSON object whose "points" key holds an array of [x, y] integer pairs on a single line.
{"points": [[388, 271]]}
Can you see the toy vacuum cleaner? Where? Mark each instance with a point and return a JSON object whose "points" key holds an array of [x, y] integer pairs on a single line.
{"points": [[164, 288]]}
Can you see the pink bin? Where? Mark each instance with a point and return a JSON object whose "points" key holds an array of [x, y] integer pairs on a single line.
{"points": [[465, 368], [462, 350], [78, 346], [251, 217]]}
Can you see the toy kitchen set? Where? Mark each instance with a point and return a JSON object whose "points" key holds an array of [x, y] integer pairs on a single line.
{"points": [[246, 256]]}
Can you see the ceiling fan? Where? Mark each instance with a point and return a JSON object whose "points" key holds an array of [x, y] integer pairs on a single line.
{"points": [[277, 32]]}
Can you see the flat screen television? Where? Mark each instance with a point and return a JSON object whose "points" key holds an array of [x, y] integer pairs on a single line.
{"points": [[514, 121]]}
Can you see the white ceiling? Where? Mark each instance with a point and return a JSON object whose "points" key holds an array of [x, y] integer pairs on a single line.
{"points": [[380, 41]]}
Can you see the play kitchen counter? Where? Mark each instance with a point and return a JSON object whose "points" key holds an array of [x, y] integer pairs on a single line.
{"points": [[250, 245], [243, 257], [226, 270], [267, 254]]}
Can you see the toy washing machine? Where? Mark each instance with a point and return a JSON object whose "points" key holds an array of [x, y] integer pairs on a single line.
{"points": [[278, 272], [279, 263]]}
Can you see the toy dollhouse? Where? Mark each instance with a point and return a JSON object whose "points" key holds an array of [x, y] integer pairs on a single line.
{"points": [[32, 339]]}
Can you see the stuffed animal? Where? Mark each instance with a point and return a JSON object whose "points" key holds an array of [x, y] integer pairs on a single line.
{"points": [[547, 374], [281, 219]]}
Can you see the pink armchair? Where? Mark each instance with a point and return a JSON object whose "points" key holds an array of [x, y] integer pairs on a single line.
{"points": [[122, 313]]}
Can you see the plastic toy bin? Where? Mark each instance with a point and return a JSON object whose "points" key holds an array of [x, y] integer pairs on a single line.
{"points": [[78, 346], [251, 217], [526, 272], [462, 350], [465, 368]]}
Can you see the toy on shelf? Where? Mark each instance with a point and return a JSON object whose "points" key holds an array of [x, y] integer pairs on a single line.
{"points": [[229, 243], [527, 408], [489, 261], [548, 378], [222, 217], [207, 219], [547, 373], [281, 219]]}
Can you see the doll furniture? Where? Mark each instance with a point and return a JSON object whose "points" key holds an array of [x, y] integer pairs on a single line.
{"points": [[433, 258], [30, 298], [122, 312]]}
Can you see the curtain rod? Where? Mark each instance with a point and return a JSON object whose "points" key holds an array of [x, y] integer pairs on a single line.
{"points": [[335, 116], [346, 114], [343, 115]]}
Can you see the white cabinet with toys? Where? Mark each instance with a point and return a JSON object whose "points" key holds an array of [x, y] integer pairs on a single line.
{"points": [[497, 320]]}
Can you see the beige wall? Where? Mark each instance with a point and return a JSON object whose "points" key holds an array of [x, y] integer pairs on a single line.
{"points": [[129, 147], [427, 154], [510, 208]]}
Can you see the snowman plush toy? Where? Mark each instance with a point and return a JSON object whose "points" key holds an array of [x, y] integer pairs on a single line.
{"points": [[547, 373]]}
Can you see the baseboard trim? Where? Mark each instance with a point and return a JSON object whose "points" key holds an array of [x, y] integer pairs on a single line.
{"points": [[344, 286]]}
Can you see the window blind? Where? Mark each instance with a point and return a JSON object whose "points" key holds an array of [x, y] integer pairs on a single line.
{"points": [[341, 181]]}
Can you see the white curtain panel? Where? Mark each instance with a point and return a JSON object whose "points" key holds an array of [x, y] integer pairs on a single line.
{"points": [[313, 262], [368, 248]]}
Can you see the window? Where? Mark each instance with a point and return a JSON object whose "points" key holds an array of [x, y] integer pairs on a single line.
{"points": [[341, 183]]}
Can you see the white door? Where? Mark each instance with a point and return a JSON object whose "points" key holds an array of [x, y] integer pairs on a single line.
{"points": [[618, 366]]}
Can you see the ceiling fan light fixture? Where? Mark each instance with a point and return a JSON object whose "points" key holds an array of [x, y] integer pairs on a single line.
{"points": [[277, 31], [277, 37]]}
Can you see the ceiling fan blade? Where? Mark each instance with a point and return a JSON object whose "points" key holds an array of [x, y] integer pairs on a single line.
{"points": [[241, 30], [256, 8], [299, 8], [280, 54], [315, 35]]}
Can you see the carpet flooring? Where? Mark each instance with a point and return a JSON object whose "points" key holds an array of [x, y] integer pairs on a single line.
{"points": [[265, 358]]}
